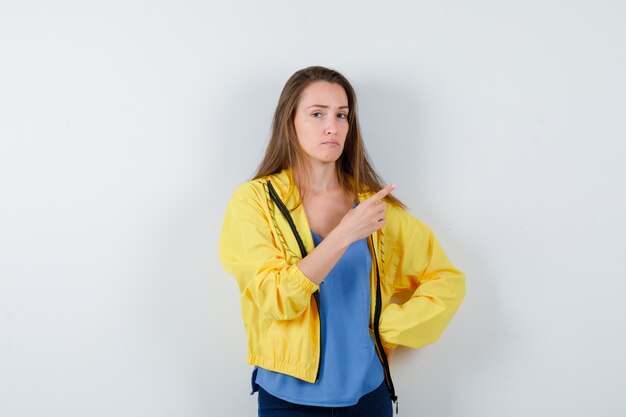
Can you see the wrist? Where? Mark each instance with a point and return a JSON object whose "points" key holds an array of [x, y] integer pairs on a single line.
{"points": [[339, 238]]}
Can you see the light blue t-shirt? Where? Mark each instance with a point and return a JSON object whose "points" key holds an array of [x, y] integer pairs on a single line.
{"points": [[349, 366]]}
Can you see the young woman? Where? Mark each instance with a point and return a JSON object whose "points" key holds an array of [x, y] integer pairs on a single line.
{"points": [[318, 246]]}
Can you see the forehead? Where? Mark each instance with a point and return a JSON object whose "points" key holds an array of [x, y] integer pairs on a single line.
{"points": [[325, 93]]}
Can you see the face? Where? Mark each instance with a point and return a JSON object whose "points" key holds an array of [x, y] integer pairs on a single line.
{"points": [[321, 121]]}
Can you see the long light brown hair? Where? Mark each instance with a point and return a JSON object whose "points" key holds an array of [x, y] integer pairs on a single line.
{"points": [[355, 173]]}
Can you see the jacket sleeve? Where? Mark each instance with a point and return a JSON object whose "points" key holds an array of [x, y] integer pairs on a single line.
{"points": [[249, 253], [436, 287]]}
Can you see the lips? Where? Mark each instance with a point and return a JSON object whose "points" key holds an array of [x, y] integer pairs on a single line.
{"points": [[332, 142]]}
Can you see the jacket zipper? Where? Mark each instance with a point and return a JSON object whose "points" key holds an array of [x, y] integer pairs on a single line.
{"points": [[316, 295], [379, 343]]}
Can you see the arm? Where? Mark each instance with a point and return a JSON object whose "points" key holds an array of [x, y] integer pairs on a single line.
{"points": [[357, 224], [318, 264], [282, 291], [248, 252], [437, 289]]}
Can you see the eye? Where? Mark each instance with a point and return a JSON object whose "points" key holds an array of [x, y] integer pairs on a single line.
{"points": [[343, 116], [317, 112]]}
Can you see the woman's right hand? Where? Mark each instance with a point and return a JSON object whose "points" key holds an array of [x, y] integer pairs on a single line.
{"points": [[358, 223], [365, 218]]}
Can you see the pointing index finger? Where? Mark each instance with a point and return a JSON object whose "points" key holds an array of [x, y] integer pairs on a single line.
{"points": [[382, 193]]}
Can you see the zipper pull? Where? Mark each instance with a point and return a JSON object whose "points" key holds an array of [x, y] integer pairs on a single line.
{"points": [[396, 401]]}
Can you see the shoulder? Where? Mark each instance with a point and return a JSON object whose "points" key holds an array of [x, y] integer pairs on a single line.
{"points": [[402, 226], [248, 189], [255, 193], [247, 198]]}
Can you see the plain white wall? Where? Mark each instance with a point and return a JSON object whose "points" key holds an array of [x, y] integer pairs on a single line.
{"points": [[126, 125]]}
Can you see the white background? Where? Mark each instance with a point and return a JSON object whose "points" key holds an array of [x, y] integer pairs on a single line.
{"points": [[126, 125]]}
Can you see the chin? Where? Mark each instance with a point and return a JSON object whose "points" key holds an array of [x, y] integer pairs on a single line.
{"points": [[326, 160]]}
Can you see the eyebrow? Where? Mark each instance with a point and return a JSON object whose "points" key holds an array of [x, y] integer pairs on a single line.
{"points": [[325, 107]]}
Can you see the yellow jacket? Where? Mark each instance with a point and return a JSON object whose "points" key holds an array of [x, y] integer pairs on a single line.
{"points": [[280, 316]]}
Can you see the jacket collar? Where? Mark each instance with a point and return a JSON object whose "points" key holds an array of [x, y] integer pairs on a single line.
{"points": [[285, 186]]}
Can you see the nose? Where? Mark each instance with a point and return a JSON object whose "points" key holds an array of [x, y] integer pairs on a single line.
{"points": [[331, 128]]}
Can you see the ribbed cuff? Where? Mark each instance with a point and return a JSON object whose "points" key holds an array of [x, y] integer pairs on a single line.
{"points": [[302, 280]]}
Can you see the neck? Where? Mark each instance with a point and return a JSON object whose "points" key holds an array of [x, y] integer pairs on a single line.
{"points": [[322, 178]]}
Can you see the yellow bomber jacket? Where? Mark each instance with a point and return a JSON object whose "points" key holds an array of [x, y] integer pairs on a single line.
{"points": [[280, 316]]}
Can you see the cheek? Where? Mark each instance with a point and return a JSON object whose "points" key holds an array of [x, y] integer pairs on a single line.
{"points": [[306, 131], [344, 128], [299, 128], [303, 136], [302, 125]]}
